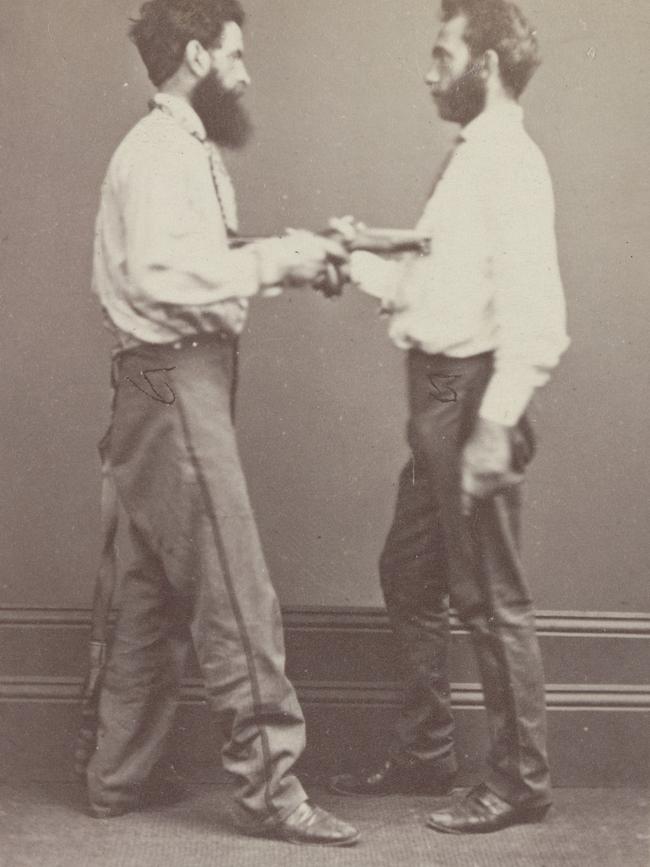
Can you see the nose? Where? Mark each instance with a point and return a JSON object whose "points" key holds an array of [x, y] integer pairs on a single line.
{"points": [[432, 77], [244, 77]]}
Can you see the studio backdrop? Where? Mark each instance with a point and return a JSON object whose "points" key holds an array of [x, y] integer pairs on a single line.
{"points": [[344, 124]]}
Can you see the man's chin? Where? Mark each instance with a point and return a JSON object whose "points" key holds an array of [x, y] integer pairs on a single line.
{"points": [[445, 112], [233, 136], [457, 114], [231, 129]]}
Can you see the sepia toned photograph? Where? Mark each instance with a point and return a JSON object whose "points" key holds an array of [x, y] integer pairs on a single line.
{"points": [[324, 445]]}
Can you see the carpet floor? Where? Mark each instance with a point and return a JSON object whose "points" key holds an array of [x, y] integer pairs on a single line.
{"points": [[44, 825]]}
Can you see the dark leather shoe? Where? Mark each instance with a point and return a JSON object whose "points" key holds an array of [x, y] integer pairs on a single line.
{"points": [[482, 811], [393, 779], [309, 824]]}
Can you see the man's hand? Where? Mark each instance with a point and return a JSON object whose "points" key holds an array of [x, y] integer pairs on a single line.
{"points": [[298, 259], [486, 463], [347, 227]]}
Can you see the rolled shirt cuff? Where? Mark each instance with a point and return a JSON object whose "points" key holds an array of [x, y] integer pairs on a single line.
{"points": [[507, 396], [374, 276], [247, 270]]}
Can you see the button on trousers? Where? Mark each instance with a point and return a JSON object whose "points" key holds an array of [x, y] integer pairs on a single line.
{"points": [[199, 578], [434, 555]]}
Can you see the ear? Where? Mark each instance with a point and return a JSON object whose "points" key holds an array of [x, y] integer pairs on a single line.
{"points": [[197, 59], [491, 64]]}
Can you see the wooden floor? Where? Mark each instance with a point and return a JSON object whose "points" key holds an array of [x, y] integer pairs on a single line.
{"points": [[44, 825]]}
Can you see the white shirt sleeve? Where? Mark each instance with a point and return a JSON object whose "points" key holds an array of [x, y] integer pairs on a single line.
{"points": [[176, 254], [529, 308], [376, 276]]}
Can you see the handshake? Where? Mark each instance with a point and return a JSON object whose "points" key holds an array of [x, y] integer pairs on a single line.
{"points": [[323, 260]]}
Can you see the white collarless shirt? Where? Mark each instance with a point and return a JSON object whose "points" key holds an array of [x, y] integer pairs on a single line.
{"points": [[162, 268], [491, 281]]}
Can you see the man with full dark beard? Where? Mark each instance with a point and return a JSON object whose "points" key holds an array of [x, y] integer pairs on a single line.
{"points": [[482, 318], [175, 298]]}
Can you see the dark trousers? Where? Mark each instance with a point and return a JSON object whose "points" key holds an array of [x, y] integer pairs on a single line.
{"points": [[198, 578], [434, 555]]}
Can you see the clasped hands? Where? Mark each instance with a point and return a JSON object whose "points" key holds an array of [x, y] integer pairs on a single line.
{"points": [[302, 258]]}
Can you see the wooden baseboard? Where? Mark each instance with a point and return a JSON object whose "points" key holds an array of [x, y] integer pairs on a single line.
{"points": [[342, 662]]}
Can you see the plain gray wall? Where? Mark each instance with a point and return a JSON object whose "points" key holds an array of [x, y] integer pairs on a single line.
{"points": [[344, 125]]}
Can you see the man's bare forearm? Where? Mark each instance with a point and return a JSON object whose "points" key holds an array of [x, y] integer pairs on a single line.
{"points": [[387, 242]]}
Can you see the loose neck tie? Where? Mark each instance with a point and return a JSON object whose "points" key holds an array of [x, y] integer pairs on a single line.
{"points": [[223, 187], [410, 284], [222, 184], [445, 164], [424, 223]]}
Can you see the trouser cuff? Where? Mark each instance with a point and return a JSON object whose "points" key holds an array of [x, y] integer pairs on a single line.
{"points": [[245, 822], [518, 794]]}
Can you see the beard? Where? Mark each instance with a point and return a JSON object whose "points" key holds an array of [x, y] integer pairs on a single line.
{"points": [[464, 99], [225, 119]]}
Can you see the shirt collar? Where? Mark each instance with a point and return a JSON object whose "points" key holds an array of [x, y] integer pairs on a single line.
{"points": [[182, 112], [492, 122]]}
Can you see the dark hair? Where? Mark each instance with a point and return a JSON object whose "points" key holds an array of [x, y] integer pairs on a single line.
{"points": [[501, 26], [165, 27]]}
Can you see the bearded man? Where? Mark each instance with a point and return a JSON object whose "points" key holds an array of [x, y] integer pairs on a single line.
{"points": [[175, 297], [482, 319]]}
